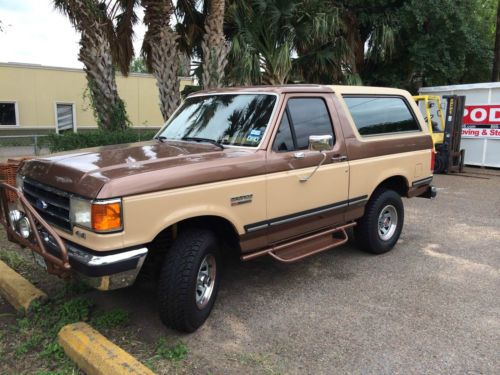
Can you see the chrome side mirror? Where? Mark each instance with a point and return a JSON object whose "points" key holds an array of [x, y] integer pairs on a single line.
{"points": [[320, 142]]}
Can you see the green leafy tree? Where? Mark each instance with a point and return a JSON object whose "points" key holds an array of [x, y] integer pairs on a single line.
{"points": [[278, 41], [437, 44], [138, 65], [495, 74]]}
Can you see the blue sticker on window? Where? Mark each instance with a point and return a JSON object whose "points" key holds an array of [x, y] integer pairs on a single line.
{"points": [[255, 132]]}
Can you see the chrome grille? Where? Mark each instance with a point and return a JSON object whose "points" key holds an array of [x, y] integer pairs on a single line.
{"points": [[50, 203]]}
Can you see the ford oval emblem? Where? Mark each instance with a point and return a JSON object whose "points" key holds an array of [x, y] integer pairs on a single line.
{"points": [[41, 204]]}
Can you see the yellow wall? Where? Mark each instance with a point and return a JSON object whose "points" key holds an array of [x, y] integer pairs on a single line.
{"points": [[36, 89]]}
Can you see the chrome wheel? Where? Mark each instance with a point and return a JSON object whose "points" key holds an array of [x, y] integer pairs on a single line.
{"points": [[205, 281], [387, 222]]}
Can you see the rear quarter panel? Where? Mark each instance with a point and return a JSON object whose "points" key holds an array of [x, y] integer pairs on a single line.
{"points": [[374, 159]]}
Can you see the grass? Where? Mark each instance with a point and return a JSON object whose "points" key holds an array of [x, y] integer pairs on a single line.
{"points": [[110, 319], [263, 361], [37, 332], [29, 344], [174, 353], [12, 258]]}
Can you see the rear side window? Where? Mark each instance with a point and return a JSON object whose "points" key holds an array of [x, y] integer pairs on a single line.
{"points": [[381, 115], [303, 117]]}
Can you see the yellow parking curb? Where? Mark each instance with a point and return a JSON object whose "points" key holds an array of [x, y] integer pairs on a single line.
{"points": [[95, 354], [17, 290]]}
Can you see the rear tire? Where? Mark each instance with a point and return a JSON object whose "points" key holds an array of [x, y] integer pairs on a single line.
{"points": [[189, 280], [379, 229]]}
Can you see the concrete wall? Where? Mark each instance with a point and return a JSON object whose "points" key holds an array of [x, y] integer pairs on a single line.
{"points": [[36, 90]]}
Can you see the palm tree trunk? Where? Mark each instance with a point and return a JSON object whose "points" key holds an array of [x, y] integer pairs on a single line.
{"points": [[495, 74], [95, 54], [214, 46], [161, 53], [165, 63]]}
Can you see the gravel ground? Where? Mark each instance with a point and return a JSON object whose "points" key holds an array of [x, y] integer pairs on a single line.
{"points": [[430, 306]]}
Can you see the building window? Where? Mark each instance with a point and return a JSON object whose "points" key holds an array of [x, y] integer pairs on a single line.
{"points": [[65, 117], [374, 115], [8, 114]]}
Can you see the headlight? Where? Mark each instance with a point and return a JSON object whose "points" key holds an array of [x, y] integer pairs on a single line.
{"points": [[100, 216], [19, 181], [80, 212], [24, 227]]}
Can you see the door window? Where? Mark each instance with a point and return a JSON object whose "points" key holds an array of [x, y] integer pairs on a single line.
{"points": [[303, 117]]}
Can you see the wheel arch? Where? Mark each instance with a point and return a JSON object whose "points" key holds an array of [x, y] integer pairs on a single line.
{"points": [[398, 183], [221, 226]]}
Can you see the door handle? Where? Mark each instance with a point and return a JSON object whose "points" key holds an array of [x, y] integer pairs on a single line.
{"points": [[339, 158], [299, 155]]}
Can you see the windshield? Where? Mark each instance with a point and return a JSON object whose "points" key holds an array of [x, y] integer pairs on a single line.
{"points": [[236, 120]]}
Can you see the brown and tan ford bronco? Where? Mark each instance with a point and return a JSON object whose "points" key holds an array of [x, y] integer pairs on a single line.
{"points": [[255, 171]]}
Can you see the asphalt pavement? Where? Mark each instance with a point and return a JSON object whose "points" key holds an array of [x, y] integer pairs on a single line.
{"points": [[430, 306]]}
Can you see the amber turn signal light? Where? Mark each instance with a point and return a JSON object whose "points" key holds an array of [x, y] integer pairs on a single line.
{"points": [[106, 217]]}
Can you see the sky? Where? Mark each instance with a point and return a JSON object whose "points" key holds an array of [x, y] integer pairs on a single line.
{"points": [[35, 33]]}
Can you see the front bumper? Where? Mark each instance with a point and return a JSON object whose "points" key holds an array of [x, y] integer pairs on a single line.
{"points": [[61, 257], [112, 270]]}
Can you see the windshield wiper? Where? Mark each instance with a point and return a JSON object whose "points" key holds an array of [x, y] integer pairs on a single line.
{"points": [[207, 140], [161, 138]]}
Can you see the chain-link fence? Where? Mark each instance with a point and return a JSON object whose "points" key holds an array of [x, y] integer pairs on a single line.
{"points": [[13, 146]]}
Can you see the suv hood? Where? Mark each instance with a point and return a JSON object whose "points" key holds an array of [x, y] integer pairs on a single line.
{"points": [[121, 170]]}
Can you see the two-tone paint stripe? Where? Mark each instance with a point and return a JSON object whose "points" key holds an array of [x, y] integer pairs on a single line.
{"points": [[305, 214]]}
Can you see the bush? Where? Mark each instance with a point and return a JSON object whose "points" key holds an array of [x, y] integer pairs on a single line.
{"points": [[73, 141]]}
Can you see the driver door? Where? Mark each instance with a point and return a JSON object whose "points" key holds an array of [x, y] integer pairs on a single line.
{"points": [[295, 207]]}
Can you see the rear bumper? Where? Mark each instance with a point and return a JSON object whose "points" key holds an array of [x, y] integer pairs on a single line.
{"points": [[430, 192]]}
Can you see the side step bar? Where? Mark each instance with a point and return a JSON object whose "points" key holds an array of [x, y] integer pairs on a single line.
{"points": [[303, 247]]}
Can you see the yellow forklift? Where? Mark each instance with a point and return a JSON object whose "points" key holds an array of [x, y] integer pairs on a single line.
{"points": [[445, 129]]}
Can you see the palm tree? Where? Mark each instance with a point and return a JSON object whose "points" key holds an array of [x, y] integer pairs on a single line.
{"points": [[276, 41], [214, 46], [161, 52], [106, 39]]}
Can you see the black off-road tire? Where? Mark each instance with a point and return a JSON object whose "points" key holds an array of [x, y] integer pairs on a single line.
{"points": [[177, 284], [367, 230]]}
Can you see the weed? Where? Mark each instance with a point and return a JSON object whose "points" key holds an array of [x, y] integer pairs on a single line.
{"points": [[23, 324], [264, 362], [53, 351], [12, 258], [174, 353], [72, 289], [110, 319], [163, 351], [29, 344], [41, 328]]}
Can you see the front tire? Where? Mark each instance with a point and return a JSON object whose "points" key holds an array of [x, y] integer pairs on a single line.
{"points": [[379, 229], [189, 280]]}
